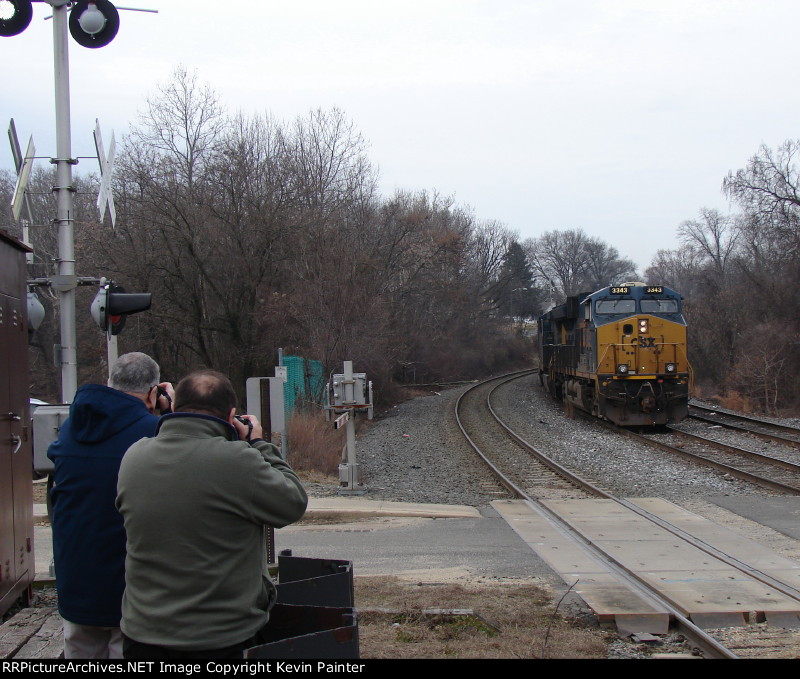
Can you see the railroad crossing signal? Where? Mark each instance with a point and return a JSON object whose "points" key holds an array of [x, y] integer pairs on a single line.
{"points": [[24, 165], [18, 20], [104, 196], [112, 305]]}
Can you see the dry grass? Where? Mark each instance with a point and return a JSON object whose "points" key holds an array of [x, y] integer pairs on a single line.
{"points": [[314, 445], [733, 400], [730, 399], [511, 620]]}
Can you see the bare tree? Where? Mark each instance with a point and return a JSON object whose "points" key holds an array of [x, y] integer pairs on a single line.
{"points": [[770, 184], [761, 368], [712, 238], [604, 266], [332, 170], [559, 259], [569, 262], [676, 269], [180, 126]]}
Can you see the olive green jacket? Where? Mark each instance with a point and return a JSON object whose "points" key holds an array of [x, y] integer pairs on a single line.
{"points": [[194, 501]]}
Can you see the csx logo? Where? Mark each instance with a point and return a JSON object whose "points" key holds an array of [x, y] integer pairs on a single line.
{"points": [[645, 342]]}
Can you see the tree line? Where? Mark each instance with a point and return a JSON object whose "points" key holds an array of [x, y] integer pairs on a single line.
{"points": [[254, 234], [739, 274]]}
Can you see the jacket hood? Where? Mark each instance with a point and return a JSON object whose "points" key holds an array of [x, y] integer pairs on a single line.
{"points": [[99, 413]]}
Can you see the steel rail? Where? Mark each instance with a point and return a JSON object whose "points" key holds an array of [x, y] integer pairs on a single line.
{"points": [[748, 418], [760, 457], [699, 637], [779, 585], [552, 464], [784, 587], [759, 434], [719, 466], [507, 483]]}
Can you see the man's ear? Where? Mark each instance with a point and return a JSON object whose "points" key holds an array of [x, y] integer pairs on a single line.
{"points": [[231, 415]]}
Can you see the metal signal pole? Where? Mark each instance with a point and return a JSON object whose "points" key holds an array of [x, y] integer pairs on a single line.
{"points": [[66, 281], [93, 24]]}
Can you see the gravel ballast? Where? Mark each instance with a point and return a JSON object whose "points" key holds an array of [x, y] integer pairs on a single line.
{"points": [[415, 453]]}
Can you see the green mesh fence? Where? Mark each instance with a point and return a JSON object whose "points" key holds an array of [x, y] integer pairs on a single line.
{"points": [[305, 382]]}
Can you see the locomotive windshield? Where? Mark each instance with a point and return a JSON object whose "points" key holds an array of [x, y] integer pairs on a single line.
{"points": [[616, 306], [659, 306]]}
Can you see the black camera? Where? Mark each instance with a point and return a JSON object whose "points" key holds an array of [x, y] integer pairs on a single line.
{"points": [[160, 391], [246, 423]]}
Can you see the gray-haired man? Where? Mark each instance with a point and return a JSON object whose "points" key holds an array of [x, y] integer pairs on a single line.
{"points": [[88, 534]]}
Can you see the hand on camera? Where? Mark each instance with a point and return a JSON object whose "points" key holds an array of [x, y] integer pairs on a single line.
{"points": [[245, 432], [165, 397]]}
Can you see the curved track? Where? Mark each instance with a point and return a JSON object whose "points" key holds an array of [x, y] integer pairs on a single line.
{"points": [[471, 414], [763, 429], [517, 465], [747, 465]]}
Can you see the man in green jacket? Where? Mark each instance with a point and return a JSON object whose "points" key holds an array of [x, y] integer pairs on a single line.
{"points": [[195, 500]]}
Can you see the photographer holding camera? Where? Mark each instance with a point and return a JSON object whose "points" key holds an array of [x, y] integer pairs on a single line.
{"points": [[195, 500], [88, 535]]}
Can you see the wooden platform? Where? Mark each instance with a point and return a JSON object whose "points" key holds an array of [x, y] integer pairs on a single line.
{"points": [[32, 633], [698, 585]]}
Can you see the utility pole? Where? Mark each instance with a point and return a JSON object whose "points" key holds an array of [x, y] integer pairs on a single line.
{"points": [[66, 281], [93, 24]]}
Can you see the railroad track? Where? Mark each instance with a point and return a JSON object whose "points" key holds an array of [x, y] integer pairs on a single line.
{"points": [[519, 467], [762, 429], [474, 413], [767, 471]]}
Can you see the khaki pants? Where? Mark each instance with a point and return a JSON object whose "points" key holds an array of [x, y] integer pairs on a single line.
{"points": [[84, 642]]}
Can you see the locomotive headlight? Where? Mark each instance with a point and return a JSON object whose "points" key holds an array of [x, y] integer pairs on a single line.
{"points": [[642, 326], [671, 368], [622, 369]]}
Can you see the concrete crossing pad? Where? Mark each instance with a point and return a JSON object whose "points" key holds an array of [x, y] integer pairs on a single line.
{"points": [[611, 599], [697, 584]]}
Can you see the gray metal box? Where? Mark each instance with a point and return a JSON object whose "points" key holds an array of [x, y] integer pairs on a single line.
{"points": [[47, 421], [359, 390]]}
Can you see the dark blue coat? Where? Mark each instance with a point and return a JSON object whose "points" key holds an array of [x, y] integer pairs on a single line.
{"points": [[88, 534]]}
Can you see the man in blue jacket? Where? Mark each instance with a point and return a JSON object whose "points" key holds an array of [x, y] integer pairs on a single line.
{"points": [[88, 533]]}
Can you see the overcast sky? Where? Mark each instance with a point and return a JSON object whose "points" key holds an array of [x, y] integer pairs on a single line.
{"points": [[620, 117]]}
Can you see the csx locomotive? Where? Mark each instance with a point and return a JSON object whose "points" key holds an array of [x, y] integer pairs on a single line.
{"points": [[619, 354]]}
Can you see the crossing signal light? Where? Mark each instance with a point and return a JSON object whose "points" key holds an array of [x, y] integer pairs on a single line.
{"points": [[16, 21], [93, 23], [112, 305]]}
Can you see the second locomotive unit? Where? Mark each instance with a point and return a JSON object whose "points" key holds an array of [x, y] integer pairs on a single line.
{"points": [[619, 354]]}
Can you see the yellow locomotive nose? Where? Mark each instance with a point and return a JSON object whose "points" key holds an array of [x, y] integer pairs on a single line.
{"points": [[618, 353]]}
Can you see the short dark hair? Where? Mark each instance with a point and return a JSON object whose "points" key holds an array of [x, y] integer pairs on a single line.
{"points": [[208, 392]]}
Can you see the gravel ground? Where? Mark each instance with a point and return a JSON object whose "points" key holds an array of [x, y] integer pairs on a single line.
{"points": [[415, 453]]}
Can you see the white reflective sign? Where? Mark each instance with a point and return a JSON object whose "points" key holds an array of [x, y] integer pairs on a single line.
{"points": [[18, 198], [105, 196]]}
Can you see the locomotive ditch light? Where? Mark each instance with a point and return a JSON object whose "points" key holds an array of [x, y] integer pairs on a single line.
{"points": [[622, 369], [671, 368], [642, 325]]}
